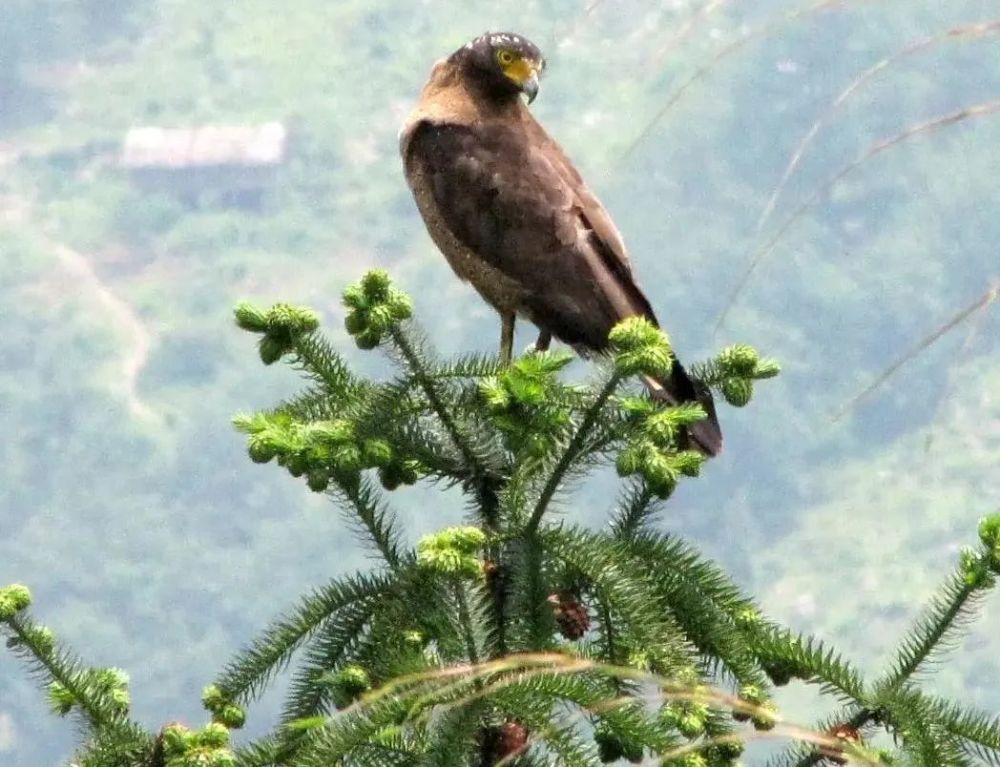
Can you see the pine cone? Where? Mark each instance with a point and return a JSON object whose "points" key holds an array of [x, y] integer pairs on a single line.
{"points": [[571, 616], [504, 742], [513, 739]]}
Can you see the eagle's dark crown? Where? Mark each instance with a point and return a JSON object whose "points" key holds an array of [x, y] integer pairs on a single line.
{"points": [[487, 59]]}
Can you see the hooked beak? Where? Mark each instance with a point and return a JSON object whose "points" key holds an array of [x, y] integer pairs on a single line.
{"points": [[530, 86]]}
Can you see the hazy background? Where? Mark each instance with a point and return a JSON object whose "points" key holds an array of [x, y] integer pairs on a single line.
{"points": [[127, 502]]}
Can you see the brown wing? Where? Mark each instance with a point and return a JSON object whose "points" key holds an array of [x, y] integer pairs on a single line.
{"points": [[598, 218], [521, 207], [505, 200]]}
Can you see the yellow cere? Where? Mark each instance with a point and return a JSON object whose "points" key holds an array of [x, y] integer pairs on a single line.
{"points": [[517, 68]]}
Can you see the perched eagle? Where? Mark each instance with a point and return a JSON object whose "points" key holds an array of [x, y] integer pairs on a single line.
{"points": [[513, 216]]}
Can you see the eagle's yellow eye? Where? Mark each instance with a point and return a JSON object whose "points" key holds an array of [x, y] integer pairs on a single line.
{"points": [[505, 57]]}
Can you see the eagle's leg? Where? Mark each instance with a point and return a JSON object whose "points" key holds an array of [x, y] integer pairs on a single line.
{"points": [[506, 338], [544, 339]]}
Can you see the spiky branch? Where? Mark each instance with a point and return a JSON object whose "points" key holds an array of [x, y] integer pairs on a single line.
{"points": [[519, 638]]}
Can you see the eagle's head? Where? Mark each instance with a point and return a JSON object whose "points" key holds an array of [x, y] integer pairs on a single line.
{"points": [[503, 63]]}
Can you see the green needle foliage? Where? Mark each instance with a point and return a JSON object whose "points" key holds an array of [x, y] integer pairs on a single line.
{"points": [[519, 637]]}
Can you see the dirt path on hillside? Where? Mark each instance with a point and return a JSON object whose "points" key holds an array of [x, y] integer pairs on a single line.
{"points": [[124, 317], [16, 210]]}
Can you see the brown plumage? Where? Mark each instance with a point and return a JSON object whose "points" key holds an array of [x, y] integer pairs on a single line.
{"points": [[513, 216]]}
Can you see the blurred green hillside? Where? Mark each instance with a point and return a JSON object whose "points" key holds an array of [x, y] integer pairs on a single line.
{"points": [[127, 502]]}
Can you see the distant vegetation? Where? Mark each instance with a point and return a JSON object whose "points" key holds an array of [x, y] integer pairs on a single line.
{"points": [[142, 528]]}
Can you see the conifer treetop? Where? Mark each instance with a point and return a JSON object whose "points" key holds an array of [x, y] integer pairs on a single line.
{"points": [[520, 636]]}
